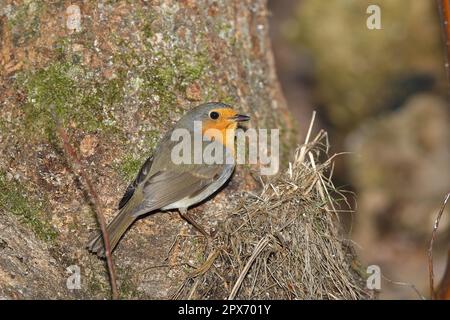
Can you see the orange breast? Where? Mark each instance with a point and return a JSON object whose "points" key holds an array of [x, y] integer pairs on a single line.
{"points": [[227, 131]]}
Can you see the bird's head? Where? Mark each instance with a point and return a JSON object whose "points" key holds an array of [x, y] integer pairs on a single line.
{"points": [[214, 115]]}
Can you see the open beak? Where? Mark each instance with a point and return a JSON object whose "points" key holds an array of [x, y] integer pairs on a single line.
{"points": [[240, 118]]}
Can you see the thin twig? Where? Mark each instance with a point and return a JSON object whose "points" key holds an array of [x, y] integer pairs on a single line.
{"points": [[301, 157], [259, 247], [207, 264], [200, 271], [193, 288], [444, 12], [444, 288], [75, 162], [405, 284], [430, 248]]}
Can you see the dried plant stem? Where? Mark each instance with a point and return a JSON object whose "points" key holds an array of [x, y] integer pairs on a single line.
{"points": [[75, 162], [208, 264], [303, 149], [444, 287], [259, 247], [406, 284], [430, 248], [444, 10]]}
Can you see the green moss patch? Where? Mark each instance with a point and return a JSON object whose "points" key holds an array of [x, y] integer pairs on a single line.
{"points": [[30, 211], [72, 94], [129, 167], [161, 78]]}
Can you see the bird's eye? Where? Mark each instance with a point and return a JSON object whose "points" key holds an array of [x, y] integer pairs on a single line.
{"points": [[214, 115]]}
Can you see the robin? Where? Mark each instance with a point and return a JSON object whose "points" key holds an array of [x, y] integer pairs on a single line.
{"points": [[164, 185]]}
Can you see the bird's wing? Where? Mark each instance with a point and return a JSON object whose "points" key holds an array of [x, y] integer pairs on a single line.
{"points": [[143, 172], [169, 186], [146, 171]]}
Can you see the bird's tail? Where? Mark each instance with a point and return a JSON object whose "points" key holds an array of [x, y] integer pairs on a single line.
{"points": [[116, 228]]}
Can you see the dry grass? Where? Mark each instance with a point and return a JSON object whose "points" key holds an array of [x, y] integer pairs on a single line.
{"points": [[284, 243]]}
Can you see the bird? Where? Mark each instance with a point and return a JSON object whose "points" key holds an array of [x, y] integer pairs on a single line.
{"points": [[163, 185]]}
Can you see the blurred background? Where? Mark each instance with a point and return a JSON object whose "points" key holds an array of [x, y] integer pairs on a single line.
{"points": [[383, 96]]}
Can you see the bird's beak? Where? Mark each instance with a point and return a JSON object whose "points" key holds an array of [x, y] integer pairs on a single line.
{"points": [[240, 118]]}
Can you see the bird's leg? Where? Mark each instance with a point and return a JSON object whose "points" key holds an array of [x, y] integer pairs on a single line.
{"points": [[185, 215]]}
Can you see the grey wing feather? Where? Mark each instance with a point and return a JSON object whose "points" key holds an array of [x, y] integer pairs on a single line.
{"points": [[167, 187], [143, 172]]}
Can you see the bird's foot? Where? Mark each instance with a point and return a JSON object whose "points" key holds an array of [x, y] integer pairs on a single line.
{"points": [[186, 216]]}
